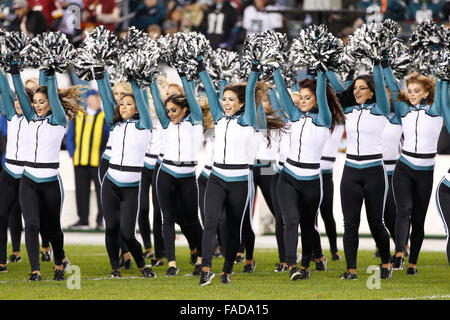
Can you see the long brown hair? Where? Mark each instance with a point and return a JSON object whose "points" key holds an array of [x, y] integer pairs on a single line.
{"points": [[425, 81], [70, 98], [337, 115]]}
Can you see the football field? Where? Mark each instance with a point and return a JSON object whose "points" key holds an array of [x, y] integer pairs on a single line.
{"points": [[88, 279]]}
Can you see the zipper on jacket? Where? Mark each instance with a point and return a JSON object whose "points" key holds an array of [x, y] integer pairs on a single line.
{"points": [[357, 131], [225, 147], [17, 140], [417, 121], [300, 140], [37, 138], [123, 142], [179, 143]]}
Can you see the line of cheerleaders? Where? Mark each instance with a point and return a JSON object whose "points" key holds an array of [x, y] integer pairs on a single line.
{"points": [[282, 139]]}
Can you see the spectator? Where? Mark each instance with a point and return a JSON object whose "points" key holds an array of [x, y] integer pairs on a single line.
{"points": [[419, 10], [86, 141], [445, 11], [5, 13], [48, 9], [221, 24], [96, 12], [257, 18], [192, 17], [28, 21], [396, 10], [154, 31], [147, 13], [170, 27]]}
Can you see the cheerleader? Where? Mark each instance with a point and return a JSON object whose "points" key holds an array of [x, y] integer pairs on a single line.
{"points": [[41, 191], [227, 187], [392, 136], [182, 122], [117, 91], [327, 160], [412, 181], [10, 211], [443, 188], [299, 185], [366, 107], [131, 126]]}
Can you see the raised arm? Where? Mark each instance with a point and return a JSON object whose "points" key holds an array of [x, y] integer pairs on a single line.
{"points": [[42, 78], [196, 110], [334, 81], [145, 121], [24, 101], [222, 85], [249, 116], [104, 88], [324, 115], [383, 104], [286, 101], [276, 105], [7, 97], [159, 105], [436, 107], [445, 104], [213, 100], [58, 114], [399, 106]]}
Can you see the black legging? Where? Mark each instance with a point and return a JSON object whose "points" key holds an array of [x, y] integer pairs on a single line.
{"points": [[279, 223], [202, 181], [41, 205], [412, 192], [390, 210], [299, 202], [233, 197], [157, 221], [368, 185], [121, 206], [144, 218], [173, 194], [102, 169], [326, 210], [10, 212], [443, 204]]}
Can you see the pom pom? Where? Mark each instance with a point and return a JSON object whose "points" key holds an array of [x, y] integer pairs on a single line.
{"points": [[141, 64], [442, 68], [99, 49], [371, 41], [400, 59], [13, 45], [189, 46], [222, 65], [318, 49], [267, 48], [51, 50], [426, 42]]}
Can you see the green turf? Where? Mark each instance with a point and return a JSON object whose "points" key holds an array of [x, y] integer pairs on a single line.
{"points": [[432, 281]]}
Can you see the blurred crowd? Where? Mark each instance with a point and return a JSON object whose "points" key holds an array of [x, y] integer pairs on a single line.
{"points": [[224, 22]]}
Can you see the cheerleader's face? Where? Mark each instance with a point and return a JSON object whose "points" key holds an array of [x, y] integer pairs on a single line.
{"points": [[41, 104], [127, 107], [306, 100], [362, 92], [17, 106], [231, 103], [175, 112], [416, 92]]}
